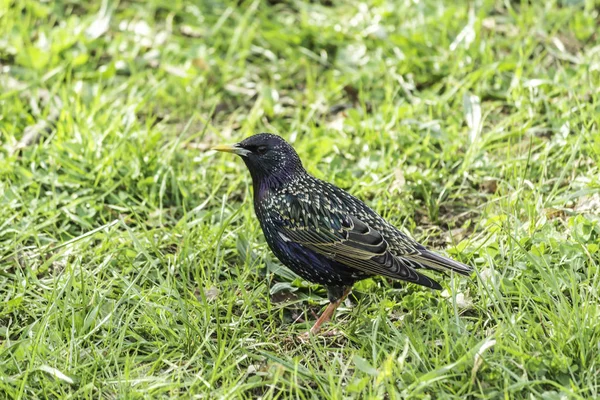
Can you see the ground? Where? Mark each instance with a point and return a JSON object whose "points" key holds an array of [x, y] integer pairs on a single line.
{"points": [[131, 262]]}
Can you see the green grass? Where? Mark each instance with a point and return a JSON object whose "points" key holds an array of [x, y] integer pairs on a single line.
{"points": [[131, 263]]}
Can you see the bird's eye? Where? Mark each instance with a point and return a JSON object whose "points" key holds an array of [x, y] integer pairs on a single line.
{"points": [[260, 150]]}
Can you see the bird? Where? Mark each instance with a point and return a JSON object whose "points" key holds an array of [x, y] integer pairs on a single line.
{"points": [[323, 233]]}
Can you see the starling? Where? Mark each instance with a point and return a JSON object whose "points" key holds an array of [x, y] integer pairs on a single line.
{"points": [[324, 234]]}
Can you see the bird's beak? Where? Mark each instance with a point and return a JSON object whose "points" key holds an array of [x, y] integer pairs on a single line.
{"points": [[228, 148]]}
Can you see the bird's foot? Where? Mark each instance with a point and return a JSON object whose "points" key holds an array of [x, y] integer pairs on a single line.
{"points": [[305, 337], [331, 333]]}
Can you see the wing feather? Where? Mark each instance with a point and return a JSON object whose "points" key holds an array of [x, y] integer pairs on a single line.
{"points": [[347, 239]]}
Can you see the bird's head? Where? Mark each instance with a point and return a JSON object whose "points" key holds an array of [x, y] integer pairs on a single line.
{"points": [[270, 159]]}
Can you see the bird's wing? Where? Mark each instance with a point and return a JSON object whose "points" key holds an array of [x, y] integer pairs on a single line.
{"points": [[345, 238]]}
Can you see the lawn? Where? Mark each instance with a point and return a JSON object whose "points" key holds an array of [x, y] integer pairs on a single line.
{"points": [[132, 264]]}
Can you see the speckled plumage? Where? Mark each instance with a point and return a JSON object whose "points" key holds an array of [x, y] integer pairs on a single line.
{"points": [[321, 232]]}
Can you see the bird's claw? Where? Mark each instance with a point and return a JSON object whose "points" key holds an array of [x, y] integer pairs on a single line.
{"points": [[331, 333], [305, 337]]}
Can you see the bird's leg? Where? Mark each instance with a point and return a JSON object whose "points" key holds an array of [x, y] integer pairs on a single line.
{"points": [[325, 316], [328, 313]]}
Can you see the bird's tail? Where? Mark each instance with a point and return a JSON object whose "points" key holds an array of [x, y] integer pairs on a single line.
{"points": [[441, 263]]}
